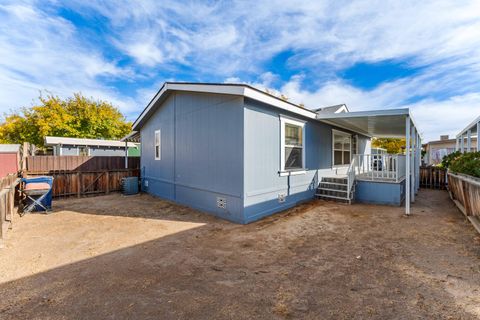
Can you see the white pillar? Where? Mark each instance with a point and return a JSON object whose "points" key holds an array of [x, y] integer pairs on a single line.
{"points": [[469, 140], [462, 144], [478, 136], [412, 165], [418, 162], [457, 144], [407, 165], [126, 154]]}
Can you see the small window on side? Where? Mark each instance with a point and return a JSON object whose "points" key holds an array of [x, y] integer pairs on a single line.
{"points": [[158, 145]]}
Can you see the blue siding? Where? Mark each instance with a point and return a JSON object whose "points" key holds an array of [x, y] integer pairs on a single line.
{"points": [[226, 146], [202, 152], [262, 161], [380, 192]]}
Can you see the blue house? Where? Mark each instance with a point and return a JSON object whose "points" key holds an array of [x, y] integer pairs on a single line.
{"points": [[242, 154]]}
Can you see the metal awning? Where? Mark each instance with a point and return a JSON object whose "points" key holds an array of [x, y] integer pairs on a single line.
{"points": [[381, 124], [394, 123]]}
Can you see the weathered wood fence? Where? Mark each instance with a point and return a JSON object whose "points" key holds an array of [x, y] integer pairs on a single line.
{"points": [[86, 183], [433, 178], [8, 206], [465, 192], [79, 163]]}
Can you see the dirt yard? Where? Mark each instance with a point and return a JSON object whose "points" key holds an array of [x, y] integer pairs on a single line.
{"points": [[116, 257]]}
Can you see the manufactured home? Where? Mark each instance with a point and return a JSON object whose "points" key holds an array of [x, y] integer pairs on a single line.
{"points": [[242, 154]]}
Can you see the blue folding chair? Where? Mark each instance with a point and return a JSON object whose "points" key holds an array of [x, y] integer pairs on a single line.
{"points": [[38, 192]]}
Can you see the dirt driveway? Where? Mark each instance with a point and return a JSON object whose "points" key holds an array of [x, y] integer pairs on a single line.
{"points": [[138, 257]]}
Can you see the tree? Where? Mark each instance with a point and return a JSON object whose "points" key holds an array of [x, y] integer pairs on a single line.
{"points": [[393, 145], [77, 117]]}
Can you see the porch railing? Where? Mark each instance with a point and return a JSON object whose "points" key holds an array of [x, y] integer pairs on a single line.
{"points": [[383, 167]]}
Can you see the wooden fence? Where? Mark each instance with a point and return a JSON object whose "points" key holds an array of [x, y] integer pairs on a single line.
{"points": [[86, 183], [433, 178], [465, 192], [8, 209], [79, 163]]}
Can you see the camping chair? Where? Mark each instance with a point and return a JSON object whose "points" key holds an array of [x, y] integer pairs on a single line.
{"points": [[38, 193]]}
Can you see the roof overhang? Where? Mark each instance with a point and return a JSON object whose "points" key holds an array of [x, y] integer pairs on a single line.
{"points": [[378, 123], [472, 127], [133, 136], [53, 141], [229, 89]]}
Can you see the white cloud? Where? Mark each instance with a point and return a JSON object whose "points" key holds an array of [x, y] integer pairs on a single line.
{"points": [[237, 40], [40, 52]]}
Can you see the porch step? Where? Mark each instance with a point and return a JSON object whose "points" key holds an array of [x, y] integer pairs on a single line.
{"points": [[327, 197], [333, 185], [337, 180], [336, 189]]}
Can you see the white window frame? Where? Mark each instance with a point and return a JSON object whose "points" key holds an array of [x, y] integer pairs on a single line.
{"points": [[159, 133], [345, 134], [291, 172]]}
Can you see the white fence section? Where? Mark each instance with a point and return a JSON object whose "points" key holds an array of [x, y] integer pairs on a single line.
{"points": [[380, 167]]}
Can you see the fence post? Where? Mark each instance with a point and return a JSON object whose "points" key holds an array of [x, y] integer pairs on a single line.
{"points": [[79, 184], [107, 182]]}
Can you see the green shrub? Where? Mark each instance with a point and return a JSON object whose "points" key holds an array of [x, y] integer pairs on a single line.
{"points": [[467, 163], [447, 160]]}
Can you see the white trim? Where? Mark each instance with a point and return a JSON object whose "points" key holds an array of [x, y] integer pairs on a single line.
{"points": [[470, 126], [343, 109], [342, 133], [374, 113], [50, 141], [284, 120], [159, 132], [292, 173], [239, 90]]}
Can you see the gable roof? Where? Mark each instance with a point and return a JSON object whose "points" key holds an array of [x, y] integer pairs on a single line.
{"points": [[338, 108], [220, 88], [52, 141]]}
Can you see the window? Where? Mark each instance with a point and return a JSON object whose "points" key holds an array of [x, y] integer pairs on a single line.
{"points": [[158, 145], [342, 143], [292, 145]]}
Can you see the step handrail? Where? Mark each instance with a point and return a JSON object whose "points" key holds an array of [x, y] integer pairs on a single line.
{"points": [[350, 178]]}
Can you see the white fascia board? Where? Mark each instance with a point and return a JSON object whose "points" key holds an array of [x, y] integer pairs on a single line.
{"points": [[373, 113], [265, 98], [51, 141], [342, 109], [470, 126], [149, 106], [239, 90]]}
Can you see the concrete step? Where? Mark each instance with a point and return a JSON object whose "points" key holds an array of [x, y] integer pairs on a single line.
{"points": [[333, 185], [340, 180], [333, 190]]}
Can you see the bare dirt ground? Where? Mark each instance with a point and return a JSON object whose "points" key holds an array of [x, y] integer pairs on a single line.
{"points": [[138, 257]]}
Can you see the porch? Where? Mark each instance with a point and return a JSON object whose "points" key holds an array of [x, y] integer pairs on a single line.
{"points": [[380, 178]]}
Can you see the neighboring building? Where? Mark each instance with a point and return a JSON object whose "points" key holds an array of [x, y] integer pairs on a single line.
{"points": [[9, 159], [63, 146], [436, 150], [242, 154]]}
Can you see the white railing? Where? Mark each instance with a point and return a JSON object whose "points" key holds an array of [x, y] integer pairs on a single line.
{"points": [[386, 167], [351, 177]]}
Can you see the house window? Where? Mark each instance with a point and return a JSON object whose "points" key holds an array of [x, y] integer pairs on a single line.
{"points": [[158, 145], [342, 143], [292, 145]]}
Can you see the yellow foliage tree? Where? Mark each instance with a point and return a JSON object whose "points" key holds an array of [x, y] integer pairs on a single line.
{"points": [[77, 117], [392, 145]]}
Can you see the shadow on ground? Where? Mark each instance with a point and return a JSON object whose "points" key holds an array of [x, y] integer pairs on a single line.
{"points": [[318, 260]]}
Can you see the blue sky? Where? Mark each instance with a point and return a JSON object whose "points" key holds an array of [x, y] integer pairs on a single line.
{"points": [[368, 54]]}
